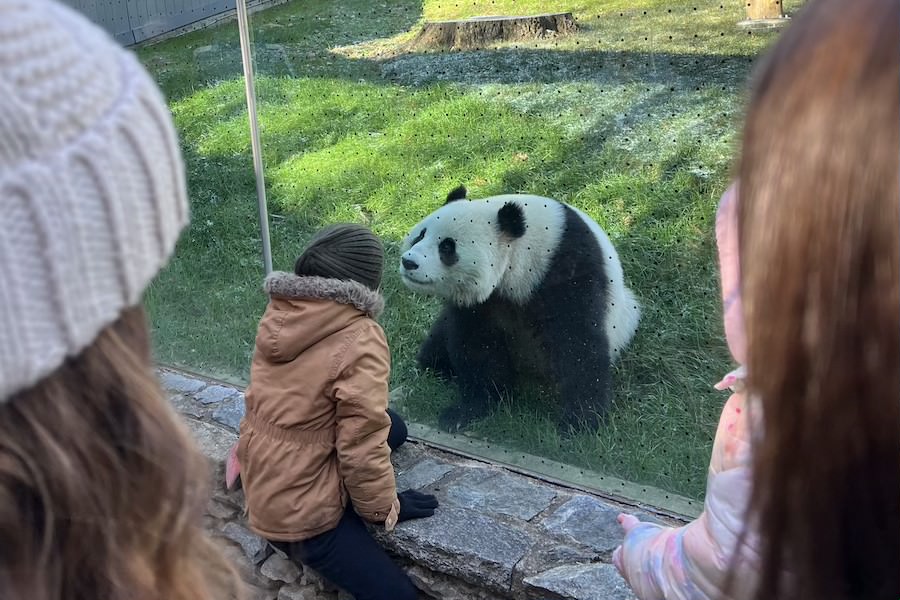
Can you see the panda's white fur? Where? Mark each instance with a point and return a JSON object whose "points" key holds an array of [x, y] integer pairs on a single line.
{"points": [[624, 309], [485, 261], [532, 287]]}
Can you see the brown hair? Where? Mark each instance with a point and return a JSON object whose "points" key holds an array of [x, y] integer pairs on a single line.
{"points": [[819, 228], [102, 492]]}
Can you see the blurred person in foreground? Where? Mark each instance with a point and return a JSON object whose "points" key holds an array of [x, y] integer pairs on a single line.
{"points": [[102, 490], [803, 495]]}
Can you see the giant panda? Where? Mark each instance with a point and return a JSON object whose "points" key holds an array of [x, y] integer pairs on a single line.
{"points": [[532, 287]]}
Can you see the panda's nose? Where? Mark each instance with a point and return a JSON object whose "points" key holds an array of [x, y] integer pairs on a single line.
{"points": [[409, 265]]}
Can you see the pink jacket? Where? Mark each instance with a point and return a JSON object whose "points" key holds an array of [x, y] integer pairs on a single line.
{"points": [[691, 562]]}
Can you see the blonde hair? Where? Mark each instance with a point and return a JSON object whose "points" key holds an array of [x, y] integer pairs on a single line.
{"points": [[102, 492], [819, 228]]}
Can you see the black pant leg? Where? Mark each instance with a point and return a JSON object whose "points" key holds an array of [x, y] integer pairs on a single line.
{"points": [[397, 434], [350, 558]]}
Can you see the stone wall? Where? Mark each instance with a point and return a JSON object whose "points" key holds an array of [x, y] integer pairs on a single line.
{"points": [[497, 535]]}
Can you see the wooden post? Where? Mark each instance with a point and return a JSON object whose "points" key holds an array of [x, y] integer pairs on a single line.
{"points": [[764, 9]]}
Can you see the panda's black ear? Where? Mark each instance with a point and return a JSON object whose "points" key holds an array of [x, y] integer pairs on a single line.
{"points": [[458, 193], [511, 220]]}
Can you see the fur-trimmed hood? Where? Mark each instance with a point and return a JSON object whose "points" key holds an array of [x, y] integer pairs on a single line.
{"points": [[305, 311], [295, 287]]}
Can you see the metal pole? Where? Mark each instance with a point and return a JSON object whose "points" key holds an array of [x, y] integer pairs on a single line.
{"points": [[244, 31]]}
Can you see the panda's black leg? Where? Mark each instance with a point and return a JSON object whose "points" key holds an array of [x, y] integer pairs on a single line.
{"points": [[433, 354], [483, 372], [580, 364], [477, 393]]}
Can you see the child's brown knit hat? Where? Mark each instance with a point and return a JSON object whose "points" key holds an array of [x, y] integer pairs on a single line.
{"points": [[344, 251]]}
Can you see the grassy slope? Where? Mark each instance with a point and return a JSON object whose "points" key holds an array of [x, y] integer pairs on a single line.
{"points": [[632, 120]]}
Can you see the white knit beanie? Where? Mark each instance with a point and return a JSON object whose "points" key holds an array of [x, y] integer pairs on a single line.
{"points": [[92, 186]]}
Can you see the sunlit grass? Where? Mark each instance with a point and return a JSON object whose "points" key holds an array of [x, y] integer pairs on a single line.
{"points": [[634, 126]]}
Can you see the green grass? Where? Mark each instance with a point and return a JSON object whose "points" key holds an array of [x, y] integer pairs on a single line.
{"points": [[633, 120]]}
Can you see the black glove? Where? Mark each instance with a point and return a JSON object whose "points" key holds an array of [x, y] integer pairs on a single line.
{"points": [[415, 505]]}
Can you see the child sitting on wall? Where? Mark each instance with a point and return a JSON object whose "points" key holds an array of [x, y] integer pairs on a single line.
{"points": [[315, 443]]}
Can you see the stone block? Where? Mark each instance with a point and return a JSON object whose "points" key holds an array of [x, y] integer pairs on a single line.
{"points": [[298, 592], [230, 412], [277, 568], [496, 491], [262, 594], [215, 394], [593, 581], [245, 567], [213, 441], [187, 406], [312, 578], [588, 521], [252, 545], [474, 547], [422, 474], [546, 554], [441, 587], [221, 510], [648, 518], [175, 382]]}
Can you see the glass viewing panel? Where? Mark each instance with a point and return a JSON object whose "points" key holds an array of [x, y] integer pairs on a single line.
{"points": [[632, 117]]}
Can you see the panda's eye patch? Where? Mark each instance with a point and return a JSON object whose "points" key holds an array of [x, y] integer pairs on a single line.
{"points": [[447, 251], [420, 237]]}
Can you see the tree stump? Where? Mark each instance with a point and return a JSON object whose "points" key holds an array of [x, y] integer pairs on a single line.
{"points": [[479, 32], [764, 9], [764, 14]]}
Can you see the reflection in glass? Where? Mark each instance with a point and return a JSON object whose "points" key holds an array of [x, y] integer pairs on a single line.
{"points": [[631, 119]]}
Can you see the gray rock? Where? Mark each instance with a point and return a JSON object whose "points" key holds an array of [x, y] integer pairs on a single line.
{"points": [[647, 517], [214, 441], [252, 545], [501, 493], [594, 581], [437, 585], [422, 474], [230, 412], [257, 593], [311, 578], [215, 393], [221, 510], [245, 568], [277, 568], [187, 406], [549, 552], [587, 521], [175, 382], [406, 456], [296, 592], [462, 543]]}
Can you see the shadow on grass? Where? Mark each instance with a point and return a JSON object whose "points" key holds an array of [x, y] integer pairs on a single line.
{"points": [[287, 40], [642, 142]]}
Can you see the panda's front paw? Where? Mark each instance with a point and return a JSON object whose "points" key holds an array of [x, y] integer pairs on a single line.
{"points": [[459, 416]]}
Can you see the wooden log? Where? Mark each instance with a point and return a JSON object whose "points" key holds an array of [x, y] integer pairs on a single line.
{"points": [[479, 32], [764, 9]]}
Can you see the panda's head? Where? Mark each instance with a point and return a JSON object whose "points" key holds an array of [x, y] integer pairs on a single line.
{"points": [[461, 251]]}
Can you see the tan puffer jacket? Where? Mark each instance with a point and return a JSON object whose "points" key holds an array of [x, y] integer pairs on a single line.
{"points": [[315, 430]]}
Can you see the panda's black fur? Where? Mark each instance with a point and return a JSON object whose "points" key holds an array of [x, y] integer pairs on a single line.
{"points": [[489, 346]]}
